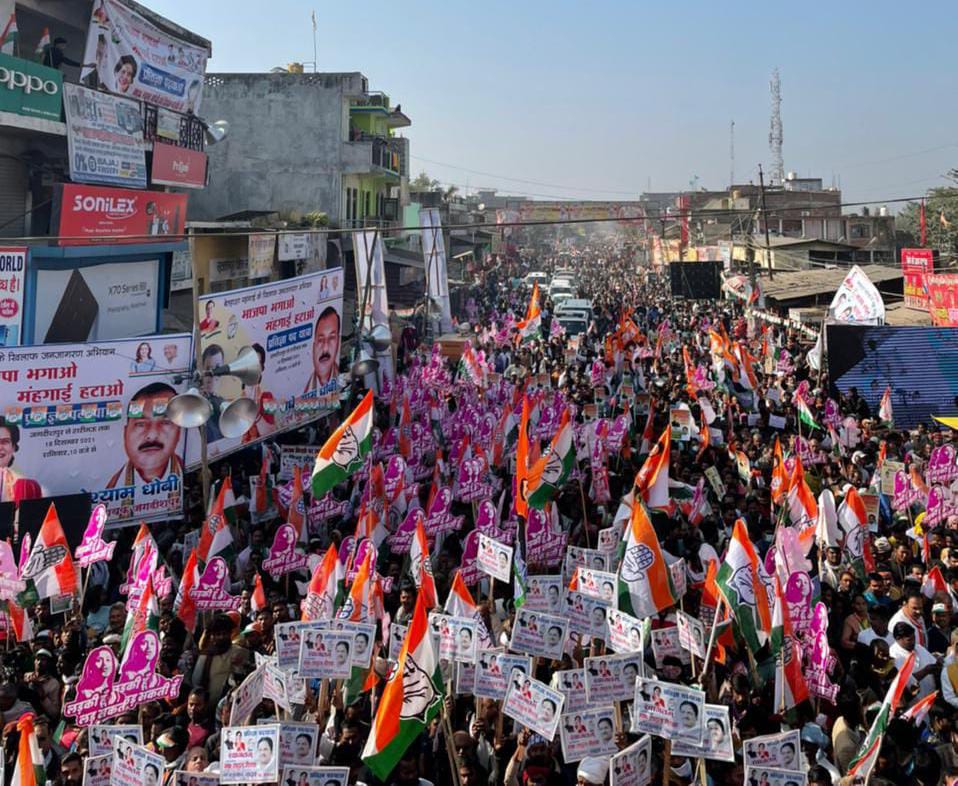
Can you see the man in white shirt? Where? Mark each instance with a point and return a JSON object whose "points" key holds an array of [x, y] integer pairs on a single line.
{"points": [[910, 613], [926, 664]]}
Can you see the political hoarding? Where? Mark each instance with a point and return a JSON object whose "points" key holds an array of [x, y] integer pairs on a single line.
{"points": [[916, 265], [294, 326], [104, 137], [91, 418], [942, 299], [919, 364], [128, 54]]}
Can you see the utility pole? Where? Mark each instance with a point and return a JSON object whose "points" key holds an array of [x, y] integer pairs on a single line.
{"points": [[768, 245]]}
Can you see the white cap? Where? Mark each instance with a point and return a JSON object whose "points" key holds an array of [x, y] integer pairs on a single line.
{"points": [[593, 769]]}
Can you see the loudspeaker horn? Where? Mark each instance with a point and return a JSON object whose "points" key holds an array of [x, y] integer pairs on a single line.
{"points": [[365, 364], [237, 416], [190, 409], [379, 338], [216, 132], [246, 367]]}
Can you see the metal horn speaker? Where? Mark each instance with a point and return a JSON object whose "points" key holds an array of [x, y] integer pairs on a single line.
{"points": [[190, 409], [365, 364], [379, 338], [216, 132], [246, 367], [237, 416]]}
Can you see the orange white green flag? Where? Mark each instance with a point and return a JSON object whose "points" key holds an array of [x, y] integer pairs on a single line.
{"points": [[29, 769], [529, 327], [345, 450], [411, 699], [742, 584], [49, 570], [791, 689], [550, 472], [325, 588], [421, 567], [652, 482], [644, 579]]}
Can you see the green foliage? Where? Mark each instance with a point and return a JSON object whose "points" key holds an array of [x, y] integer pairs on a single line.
{"points": [[941, 235], [422, 182]]}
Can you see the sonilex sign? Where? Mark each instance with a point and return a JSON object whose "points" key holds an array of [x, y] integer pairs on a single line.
{"points": [[30, 89]]}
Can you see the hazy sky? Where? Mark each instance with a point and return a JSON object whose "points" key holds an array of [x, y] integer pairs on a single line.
{"points": [[602, 99]]}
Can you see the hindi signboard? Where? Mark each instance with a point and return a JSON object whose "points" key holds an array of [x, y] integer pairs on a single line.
{"points": [[92, 417], [294, 327], [916, 264], [13, 267]]}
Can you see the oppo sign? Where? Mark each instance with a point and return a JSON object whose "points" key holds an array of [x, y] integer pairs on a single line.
{"points": [[12, 79]]}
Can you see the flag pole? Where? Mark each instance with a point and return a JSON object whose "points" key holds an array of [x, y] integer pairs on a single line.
{"points": [[711, 644]]}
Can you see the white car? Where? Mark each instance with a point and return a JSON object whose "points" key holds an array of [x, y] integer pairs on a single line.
{"points": [[539, 276]]}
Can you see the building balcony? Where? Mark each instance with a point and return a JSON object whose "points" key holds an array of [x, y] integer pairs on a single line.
{"points": [[369, 222], [375, 154], [173, 128]]}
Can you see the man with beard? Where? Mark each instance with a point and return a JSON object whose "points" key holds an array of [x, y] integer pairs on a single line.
{"points": [[71, 770], [150, 439]]}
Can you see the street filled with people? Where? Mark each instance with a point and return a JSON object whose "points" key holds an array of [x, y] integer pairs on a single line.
{"points": [[600, 535]]}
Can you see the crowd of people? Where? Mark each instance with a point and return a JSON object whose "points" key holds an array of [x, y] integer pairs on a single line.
{"points": [[871, 603]]}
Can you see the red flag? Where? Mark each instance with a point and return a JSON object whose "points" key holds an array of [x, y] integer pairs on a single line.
{"points": [[922, 224]]}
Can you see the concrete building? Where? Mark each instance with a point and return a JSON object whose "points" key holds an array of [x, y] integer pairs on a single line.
{"points": [[303, 142]]}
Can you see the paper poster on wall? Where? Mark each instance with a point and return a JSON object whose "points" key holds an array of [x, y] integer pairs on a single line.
{"points": [[13, 267], [91, 417], [294, 326]]}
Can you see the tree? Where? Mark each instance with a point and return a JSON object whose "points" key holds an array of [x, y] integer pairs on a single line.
{"points": [[941, 222], [423, 182]]}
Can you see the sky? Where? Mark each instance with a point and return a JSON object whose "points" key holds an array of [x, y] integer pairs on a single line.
{"points": [[603, 100]]}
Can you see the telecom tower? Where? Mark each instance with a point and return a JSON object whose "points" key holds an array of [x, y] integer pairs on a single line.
{"points": [[777, 175]]}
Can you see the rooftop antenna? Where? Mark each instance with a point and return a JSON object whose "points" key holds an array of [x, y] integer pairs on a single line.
{"points": [[777, 175], [315, 60], [731, 154]]}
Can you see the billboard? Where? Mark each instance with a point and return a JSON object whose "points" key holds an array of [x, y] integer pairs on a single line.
{"points": [[90, 215], [97, 302], [30, 89], [295, 327], [920, 364], [129, 55], [91, 418], [105, 138], [916, 263], [13, 267], [942, 292]]}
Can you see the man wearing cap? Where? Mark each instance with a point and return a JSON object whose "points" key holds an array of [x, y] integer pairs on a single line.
{"points": [[592, 771], [939, 634], [44, 684], [926, 664], [172, 744]]}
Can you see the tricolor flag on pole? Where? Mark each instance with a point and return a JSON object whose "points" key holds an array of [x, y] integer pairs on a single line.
{"points": [[742, 585], [885, 414], [780, 480], [325, 588], [529, 327], [43, 45], [257, 599], [49, 570], [459, 603], [918, 711], [20, 620], [421, 567], [345, 450], [644, 579], [469, 366], [864, 762], [10, 36], [804, 413], [549, 473], [411, 699], [652, 481], [790, 686], [802, 508], [29, 769], [184, 606]]}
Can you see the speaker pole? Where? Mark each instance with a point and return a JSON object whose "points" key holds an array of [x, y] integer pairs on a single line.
{"points": [[197, 360]]}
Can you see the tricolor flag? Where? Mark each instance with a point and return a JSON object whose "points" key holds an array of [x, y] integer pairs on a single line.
{"points": [[742, 585], [411, 699], [790, 686], [49, 569], [522, 461], [345, 450], [358, 603], [325, 588], [10, 36], [257, 599], [529, 327], [851, 511], [918, 711], [550, 472], [469, 366], [934, 582], [644, 579], [184, 606], [864, 762], [146, 615], [216, 538], [459, 603], [43, 45], [804, 413], [29, 769], [421, 567], [652, 480], [802, 508], [885, 414], [20, 621], [780, 480]]}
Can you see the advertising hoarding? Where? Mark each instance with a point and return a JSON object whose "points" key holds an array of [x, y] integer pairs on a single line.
{"points": [[90, 215]]}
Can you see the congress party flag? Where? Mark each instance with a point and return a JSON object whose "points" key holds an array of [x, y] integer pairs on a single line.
{"points": [[802, 508], [421, 567], [411, 699], [550, 472], [804, 413], [345, 450], [644, 579], [790, 686], [529, 327], [325, 588], [885, 414], [49, 570], [29, 769], [742, 585], [653, 479]]}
